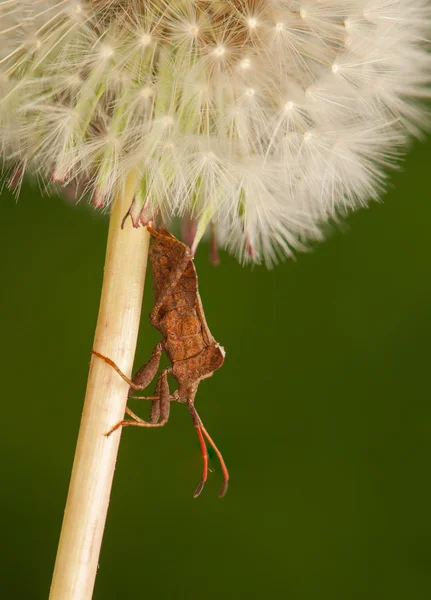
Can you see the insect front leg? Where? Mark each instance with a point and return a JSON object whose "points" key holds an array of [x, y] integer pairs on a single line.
{"points": [[144, 377], [146, 373], [164, 407]]}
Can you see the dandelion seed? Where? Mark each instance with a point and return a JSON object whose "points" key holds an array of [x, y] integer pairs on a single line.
{"points": [[220, 51], [245, 63], [146, 40], [262, 120]]}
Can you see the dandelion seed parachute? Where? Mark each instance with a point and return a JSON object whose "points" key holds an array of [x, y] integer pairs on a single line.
{"points": [[264, 119]]}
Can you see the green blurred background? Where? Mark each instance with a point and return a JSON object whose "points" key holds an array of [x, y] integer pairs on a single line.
{"points": [[321, 410]]}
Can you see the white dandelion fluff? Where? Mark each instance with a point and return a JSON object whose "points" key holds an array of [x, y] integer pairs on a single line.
{"points": [[261, 119]]}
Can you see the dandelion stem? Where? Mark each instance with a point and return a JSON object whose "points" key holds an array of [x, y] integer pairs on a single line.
{"points": [[105, 402]]}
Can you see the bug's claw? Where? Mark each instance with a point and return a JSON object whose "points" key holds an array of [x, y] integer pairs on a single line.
{"points": [[117, 426], [199, 489]]}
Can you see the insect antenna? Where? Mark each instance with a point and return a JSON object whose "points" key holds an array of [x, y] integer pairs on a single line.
{"points": [[200, 487], [224, 487], [201, 430]]}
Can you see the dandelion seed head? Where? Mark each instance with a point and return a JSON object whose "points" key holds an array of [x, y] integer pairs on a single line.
{"points": [[263, 119]]}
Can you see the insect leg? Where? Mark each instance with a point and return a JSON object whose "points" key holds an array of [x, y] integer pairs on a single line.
{"points": [[164, 402], [146, 373], [155, 406], [161, 407]]}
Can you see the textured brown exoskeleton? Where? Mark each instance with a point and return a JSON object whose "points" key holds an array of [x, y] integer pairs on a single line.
{"points": [[187, 341]]}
